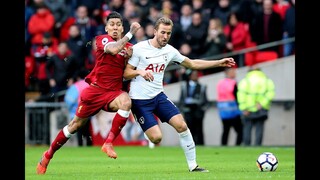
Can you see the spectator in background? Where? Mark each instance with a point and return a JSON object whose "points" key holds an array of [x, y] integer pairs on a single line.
{"points": [[149, 30], [40, 22], [289, 28], [280, 7], [180, 74], [117, 5], [237, 34], [154, 14], [222, 11], [185, 19], [193, 103], [72, 99], [267, 27], [196, 34], [139, 36], [215, 43], [58, 68], [93, 6], [255, 94], [86, 24], [78, 46], [204, 7], [131, 13], [228, 108], [144, 5], [168, 9], [60, 11], [249, 9], [185, 49], [177, 36], [41, 53], [216, 39]]}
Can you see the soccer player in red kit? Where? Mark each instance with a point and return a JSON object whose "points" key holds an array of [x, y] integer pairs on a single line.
{"points": [[105, 90]]}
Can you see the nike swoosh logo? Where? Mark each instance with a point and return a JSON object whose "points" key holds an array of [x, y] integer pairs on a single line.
{"points": [[155, 56], [189, 145]]}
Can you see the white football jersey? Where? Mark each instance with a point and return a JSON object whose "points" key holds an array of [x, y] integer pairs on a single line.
{"points": [[147, 57]]}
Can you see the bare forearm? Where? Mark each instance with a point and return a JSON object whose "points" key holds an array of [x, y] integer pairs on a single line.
{"points": [[130, 73], [115, 48], [200, 64]]}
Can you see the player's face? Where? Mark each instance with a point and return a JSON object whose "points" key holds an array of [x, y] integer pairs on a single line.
{"points": [[163, 34], [114, 28]]}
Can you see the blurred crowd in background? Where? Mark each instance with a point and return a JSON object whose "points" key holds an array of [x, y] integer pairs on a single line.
{"points": [[59, 34]]}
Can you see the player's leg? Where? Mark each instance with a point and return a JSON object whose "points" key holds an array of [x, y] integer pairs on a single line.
{"points": [[168, 112], [62, 137], [143, 114], [122, 105], [84, 110], [154, 134]]}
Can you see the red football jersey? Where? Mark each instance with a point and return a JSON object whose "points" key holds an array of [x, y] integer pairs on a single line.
{"points": [[108, 70]]}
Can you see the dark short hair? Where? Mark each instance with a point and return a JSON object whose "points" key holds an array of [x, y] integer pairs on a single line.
{"points": [[114, 14]]}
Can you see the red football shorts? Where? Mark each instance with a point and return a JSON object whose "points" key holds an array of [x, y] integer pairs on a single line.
{"points": [[93, 99]]}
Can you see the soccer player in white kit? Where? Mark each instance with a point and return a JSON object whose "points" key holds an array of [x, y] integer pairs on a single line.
{"points": [[146, 69]]}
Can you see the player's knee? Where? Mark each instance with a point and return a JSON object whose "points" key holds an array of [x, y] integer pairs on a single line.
{"points": [[181, 127], [126, 104], [155, 139]]}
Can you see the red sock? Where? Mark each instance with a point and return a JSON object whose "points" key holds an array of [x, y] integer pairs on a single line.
{"points": [[117, 124], [58, 142]]}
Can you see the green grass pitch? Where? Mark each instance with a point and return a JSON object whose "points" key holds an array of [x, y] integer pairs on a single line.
{"points": [[160, 163]]}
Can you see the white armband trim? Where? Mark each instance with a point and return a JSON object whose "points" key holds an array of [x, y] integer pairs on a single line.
{"points": [[129, 35], [105, 46]]}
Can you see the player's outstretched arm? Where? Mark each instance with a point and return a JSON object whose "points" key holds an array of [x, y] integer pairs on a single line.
{"points": [[199, 64], [116, 47]]}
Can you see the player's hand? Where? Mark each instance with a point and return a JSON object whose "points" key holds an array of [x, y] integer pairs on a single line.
{"points": [[129, 52], [147, 75], [227, 62], [134, 27]]}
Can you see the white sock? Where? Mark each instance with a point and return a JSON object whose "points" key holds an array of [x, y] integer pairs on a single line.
{"points": [[123, 113], [189, 148], [66, 132]]}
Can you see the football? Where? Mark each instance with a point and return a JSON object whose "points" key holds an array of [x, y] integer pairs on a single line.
{"points": [[267, 162]]}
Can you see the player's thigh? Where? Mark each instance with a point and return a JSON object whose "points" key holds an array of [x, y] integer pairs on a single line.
{"points": [[121, 100], [165, 109], [178, 123], [154, 132], [143, 113]]}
